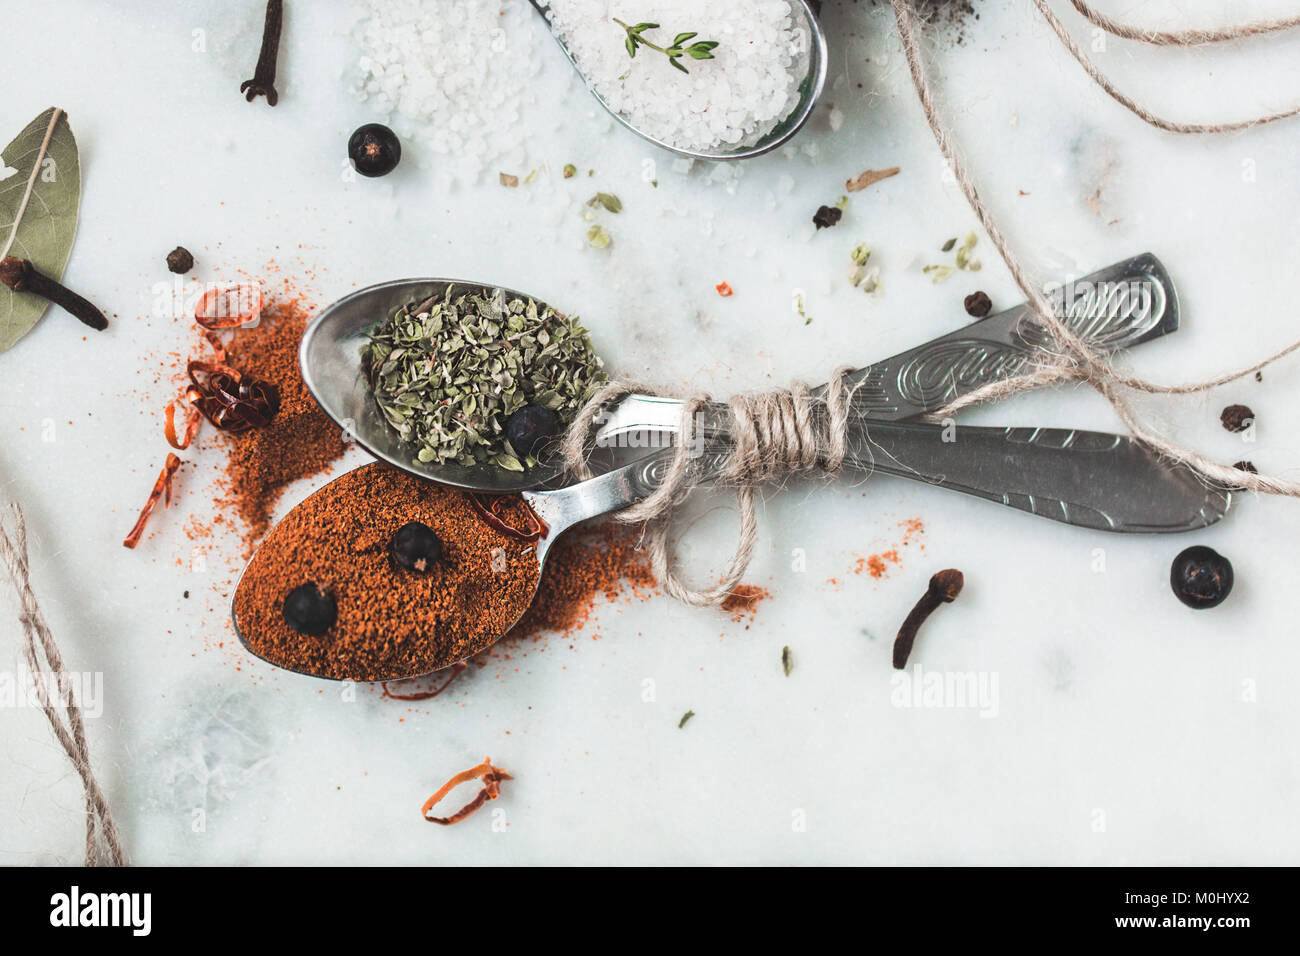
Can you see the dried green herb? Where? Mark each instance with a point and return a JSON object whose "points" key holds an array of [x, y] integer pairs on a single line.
{"points": [[685, 717], [947, 246], [598, 238], [858, 273], [699, 50], [570, 170], [448, 372], [963, 258], [608, 200], [787, 660], [38, 212]]}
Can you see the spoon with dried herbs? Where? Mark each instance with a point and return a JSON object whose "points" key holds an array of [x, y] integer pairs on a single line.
{"points": [[465, 384]]}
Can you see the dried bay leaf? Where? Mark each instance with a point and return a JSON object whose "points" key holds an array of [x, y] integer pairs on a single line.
{"points": [[44, 230]]}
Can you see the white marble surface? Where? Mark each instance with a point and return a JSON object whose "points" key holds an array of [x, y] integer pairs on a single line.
{"points": [[1127, 729]]}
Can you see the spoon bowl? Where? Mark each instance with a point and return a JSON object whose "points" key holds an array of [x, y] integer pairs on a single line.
{"points": [[810, 90], [558, 510], [330, 359]]}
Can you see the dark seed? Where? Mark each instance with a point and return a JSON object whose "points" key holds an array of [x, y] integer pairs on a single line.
{"points": [[309, 610], [415, 547], [1201, 577], [827, 216], [1244, 466], [180, 261], [1237, 418], [978, 305], [530, 428], [374, 150]]}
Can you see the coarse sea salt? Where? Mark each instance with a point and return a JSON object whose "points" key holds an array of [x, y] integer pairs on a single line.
{"points": [[730, 101], [453, 76]]}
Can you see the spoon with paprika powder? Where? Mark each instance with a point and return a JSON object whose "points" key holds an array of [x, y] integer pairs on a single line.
{"points": [[338, 590]]}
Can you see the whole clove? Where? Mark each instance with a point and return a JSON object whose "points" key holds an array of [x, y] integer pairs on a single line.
{"points": [[944, 588], [263, 81], [21, 276], [978, 305]]}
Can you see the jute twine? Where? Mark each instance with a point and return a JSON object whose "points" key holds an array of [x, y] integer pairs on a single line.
{"points": [[1183, 38], [783, 432], [44, 659]]}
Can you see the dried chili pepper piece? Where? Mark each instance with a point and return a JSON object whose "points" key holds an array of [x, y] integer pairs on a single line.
{"points": [[229, 306], [193, 419], [456, 670], [491, 777], [162, 489], [229, 399], [488, 508]]}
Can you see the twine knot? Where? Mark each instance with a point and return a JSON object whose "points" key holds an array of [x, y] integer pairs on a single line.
{"points": [[773, 434]]}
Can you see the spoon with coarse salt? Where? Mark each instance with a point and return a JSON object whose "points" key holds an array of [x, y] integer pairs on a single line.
{"points": [[740, 93]]}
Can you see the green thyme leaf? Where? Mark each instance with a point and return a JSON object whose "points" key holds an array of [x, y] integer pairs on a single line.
{"points": [[685, 717]]}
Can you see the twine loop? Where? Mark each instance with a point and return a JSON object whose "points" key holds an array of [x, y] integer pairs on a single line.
{"points": [[774, 434]]}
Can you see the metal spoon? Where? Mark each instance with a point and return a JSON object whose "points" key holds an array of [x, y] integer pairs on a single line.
{"points": [[911, 383], [1119, 307], [810, 88], [1095, 480]]}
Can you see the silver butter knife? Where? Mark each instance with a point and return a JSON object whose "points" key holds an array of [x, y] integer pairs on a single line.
{"points": [[1115, 308]]}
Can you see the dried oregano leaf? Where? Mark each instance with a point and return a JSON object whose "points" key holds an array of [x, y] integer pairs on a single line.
{"points": [[609, 201], [447, 373], [47, 226]]}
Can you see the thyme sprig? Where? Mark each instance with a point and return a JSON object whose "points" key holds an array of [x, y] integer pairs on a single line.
{"points": [[699, 50]]}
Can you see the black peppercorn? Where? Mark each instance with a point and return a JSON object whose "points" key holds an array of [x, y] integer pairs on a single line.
{"points": [[1237, 418], [530, 428], [374, 150], [978, 305], [309, 610], [1201, 577], [827, 216], [415, 547], [180, 261]]}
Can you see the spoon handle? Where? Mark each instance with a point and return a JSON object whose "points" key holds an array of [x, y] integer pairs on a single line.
{"points": [[1095, 480], [1118, 307]]}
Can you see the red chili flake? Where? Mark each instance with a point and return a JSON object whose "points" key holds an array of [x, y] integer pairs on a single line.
{"points": [[488, 508], [162, 489], [229, 306], [724, 290], [456, 670], [193, 419], [231, 400], [491, 777]]}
